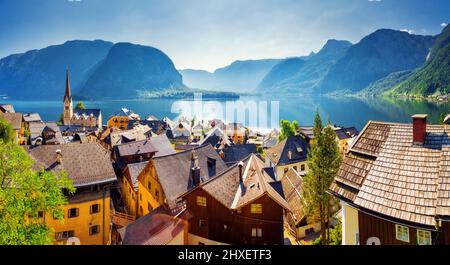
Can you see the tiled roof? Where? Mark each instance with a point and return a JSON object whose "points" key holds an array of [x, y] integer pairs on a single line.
{"points": [[346, 133], [387, 174], [214, 137], [87, 112], [134, 170], [236, 153], [139, 132], [136, 148], [31, 117], [85, 164], [228, 189], [14, 118], [155, 228], [7, 108], [292, 189], [162, 145], [174, 171], [297, 146]]}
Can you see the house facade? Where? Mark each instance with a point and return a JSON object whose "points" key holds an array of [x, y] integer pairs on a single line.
{"points": [[393, 185], [292, 152], [239, 206], [87, 214]]}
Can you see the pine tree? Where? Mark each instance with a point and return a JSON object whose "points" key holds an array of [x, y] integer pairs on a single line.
{"points": [[324, 160]]}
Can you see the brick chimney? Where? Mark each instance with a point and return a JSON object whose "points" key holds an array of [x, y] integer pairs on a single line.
{"points": [[58, 156], [240, 165], [419, 128]]}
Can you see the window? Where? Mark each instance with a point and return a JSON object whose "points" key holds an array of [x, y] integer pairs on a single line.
{"points": [[157, 194], [40, 214], [149, 186], [295, 168], [257, 232], [64, 235], [73, 212], [285, 170], [423, 237], [93, 230], [201, 223], [302, 167], [201, 201], [95, 208], [140, 196], [149, 207], [402, 233], [256, 208]]}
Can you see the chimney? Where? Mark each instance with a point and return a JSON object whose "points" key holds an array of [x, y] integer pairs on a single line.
{"points": [[240, 165], [195, 175], [58, 156], [419, 128], [290, 155]]}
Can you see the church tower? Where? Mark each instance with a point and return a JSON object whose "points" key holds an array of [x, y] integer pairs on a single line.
{"points": [[68, 107]]}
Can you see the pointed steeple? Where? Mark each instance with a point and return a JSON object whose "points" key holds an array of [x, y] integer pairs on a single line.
{"points": [[67, 94]]}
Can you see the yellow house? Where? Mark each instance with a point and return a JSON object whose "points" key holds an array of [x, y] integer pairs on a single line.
{"points": [[87, 214], [292, 153], [122, 118], [162, 180]]}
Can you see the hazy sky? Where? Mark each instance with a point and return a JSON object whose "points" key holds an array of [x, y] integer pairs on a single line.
{"points": [[209, 34]]}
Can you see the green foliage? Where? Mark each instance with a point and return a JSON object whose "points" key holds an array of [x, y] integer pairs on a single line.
{"points": [[335, 236], [288, 129], [434, 76], [261, 151], [80, 105], [23, 193], [7, 133], [61, 119], [324, 160]]}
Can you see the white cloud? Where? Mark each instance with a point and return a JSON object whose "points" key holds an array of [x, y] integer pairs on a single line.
{"points": [[444, 24], [410, 31]]}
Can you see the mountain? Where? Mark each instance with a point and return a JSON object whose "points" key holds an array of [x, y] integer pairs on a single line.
{"points": [[40, 74], [377, 55], [434, 76], [306, 73], [240, 76], [385, 83], [130, 70]]}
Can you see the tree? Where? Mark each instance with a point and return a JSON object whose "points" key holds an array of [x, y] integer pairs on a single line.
{"points": [[7, 133], [61, 119], [24, 193], [287, 129], [80, 105], [324, 160]]}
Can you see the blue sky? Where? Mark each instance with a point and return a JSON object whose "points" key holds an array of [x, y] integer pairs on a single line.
{"points": [[203, 34]]}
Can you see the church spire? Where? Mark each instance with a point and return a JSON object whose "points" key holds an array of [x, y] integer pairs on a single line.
{"points": [[67, 94]]}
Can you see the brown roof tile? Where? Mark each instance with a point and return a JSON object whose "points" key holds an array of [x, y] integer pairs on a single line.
{"points": [[85, 164]]}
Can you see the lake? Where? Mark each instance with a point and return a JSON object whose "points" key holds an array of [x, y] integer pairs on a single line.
{"points": [[344, 111]]}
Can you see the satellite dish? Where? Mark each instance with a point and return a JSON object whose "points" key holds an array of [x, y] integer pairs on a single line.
{"points": [[73, 241]]}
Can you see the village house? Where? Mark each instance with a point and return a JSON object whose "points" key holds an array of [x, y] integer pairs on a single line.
{"points": [[15, 119], [235, 153], [161, 180], [122, 118], [114, 136], [394, 185], [133, 152], [270, 139], [344, 136], [236, 131], [158, 227], [82, 117], [31, 117], [217, 138], [242, 205], [181, 128], [87, 214], [296, 219], [7, 108], [292, 152]]}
